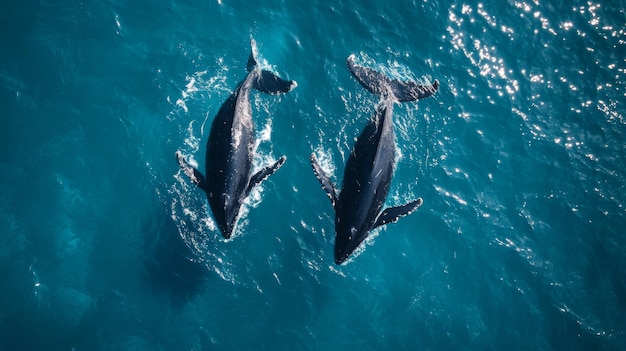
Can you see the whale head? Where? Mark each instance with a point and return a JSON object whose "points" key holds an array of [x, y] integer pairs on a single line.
{"points": [[227, 215], [347, 240]]}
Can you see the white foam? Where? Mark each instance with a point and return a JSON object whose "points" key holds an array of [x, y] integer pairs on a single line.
{"points": [[369, 241], [325, 161]]}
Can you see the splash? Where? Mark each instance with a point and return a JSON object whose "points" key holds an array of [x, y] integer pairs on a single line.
{"points": [[325, 160]]}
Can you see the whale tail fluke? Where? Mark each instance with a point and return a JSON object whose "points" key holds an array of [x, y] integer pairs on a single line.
{"points": [[266, 81], [253, 53], [269, 83], [379, 84]]}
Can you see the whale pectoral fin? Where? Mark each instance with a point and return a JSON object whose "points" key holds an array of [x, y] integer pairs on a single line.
{"points": [[392, 214], [194, 175], [261, 175], [269, 83], [327, 184]]}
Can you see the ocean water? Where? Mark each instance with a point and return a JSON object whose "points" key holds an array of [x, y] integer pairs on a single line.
{"points": [[520, 159]]}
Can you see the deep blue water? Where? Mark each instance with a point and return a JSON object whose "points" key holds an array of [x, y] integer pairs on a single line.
{"points": [[520, 159]]}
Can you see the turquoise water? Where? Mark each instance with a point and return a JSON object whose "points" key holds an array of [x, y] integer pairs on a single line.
{"points": [[519, 157]]}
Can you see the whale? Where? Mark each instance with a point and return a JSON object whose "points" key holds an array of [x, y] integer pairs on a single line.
{"points": [[228, 177], [368, 172]]}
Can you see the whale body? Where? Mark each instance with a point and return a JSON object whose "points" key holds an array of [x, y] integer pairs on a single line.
{"points": [[228, 177], [369, 169]]}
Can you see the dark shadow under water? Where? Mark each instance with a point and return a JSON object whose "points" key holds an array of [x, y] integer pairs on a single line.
{"points": [[170, 266]]}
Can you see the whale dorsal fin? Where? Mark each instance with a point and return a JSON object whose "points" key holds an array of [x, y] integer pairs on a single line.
{"points": [[377, 83], [264, 173], [327, 184], [194, 175], [392, 214]]}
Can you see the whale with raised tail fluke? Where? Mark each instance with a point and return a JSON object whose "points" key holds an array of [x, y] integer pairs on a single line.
{"points": [[228, 177], [368, 172]]}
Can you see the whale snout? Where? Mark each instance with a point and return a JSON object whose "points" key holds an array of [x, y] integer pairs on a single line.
{"points": [[346, 241], [227, 227], [340, 257], [226, 212]]}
